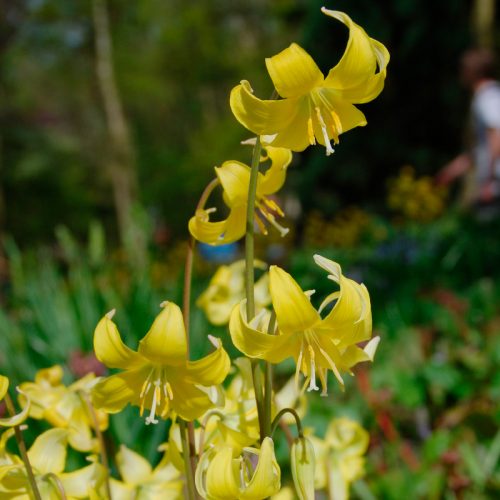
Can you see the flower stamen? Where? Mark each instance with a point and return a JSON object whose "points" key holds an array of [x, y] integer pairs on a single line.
{"points": [[312, 381], [329, 149]]}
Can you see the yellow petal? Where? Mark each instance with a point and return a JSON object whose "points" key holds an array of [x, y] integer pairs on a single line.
{"points": [[189, 401], [52, 375], [234, 177], [303, 468], [166, 343], [48, 451], [133, 468], [111, 394], [210, 370], [355, 74], [4, 386], [221, 483], [20, 417], [263, 117], [266, 480], [219, 232], [274, 177], [77, 484], [109, 348], [293, 308], [257, 344], [294, 72]]}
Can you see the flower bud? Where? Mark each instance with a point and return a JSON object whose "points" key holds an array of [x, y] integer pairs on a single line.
{"points": [[303, 463]]}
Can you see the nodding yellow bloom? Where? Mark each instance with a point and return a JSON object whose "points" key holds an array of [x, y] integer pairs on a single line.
{"points": [[65, 406], [158, 377], [340, 457], [227, 288], [315, 108], [20, 417], [47, 456], [234, 178], [303, 464], [317, 344], [220, 476], [140, 480]]}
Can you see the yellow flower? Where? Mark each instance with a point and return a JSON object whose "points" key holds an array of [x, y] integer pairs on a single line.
{"points": [[220, 476], [141, 481], [227, 288], [315, 108], [234, 178], [64, 406], [340, 457], [302, 463], [15, 419], [317, 344], [47, 456], [158, 376]]}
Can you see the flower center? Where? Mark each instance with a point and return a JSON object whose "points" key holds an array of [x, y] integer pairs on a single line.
{"points": [[155, 390], [266, 209]]}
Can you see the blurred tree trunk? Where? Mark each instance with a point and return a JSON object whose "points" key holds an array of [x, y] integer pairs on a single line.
{"points": [[119, 158], [483, 22]]}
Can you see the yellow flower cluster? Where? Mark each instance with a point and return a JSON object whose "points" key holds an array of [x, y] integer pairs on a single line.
{"points": [[417, 199]]}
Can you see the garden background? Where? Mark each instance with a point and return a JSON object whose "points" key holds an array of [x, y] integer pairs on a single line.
{"points": [[105, 149]]}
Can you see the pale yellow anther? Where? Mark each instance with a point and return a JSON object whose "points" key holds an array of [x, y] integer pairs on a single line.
{"points": [[310, 132], [336, 126]]}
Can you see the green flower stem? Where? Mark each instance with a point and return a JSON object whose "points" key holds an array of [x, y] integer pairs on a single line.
{"points": [[268, 381], [250, 278], [191, 489], [100, 439], [295, 415], [22, 450]]}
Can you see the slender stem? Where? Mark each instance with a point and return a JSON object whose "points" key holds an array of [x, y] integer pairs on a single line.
{"points": [[100, 439], [191, 490], [249, 235], [22, 449], [58, 484], [295, 415], [268, 381]]}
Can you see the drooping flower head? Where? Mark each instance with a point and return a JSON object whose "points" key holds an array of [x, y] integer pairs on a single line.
{"points": [[314, 108], [227, 288], [222, 476], [158, 376], [317, 344], [234, 178]]}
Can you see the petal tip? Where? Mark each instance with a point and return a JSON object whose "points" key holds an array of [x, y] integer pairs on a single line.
{"points": [[110, 314]]}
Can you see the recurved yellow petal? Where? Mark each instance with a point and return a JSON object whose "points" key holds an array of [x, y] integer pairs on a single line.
{"points": [[293, 308], [294, 72], [257, 344], [109, 348], [220, 477], [274, 177], [165, 343], [234, 177], [266, 480], [133, 468], [262, 117], [48, 451], [18, 418], [4, 386], [210, 370]]}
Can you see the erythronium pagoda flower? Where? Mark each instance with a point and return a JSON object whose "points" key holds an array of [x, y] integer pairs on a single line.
{"points": [[47, 456], [65, 406], [158, 376], [234, 178], [340, 457], [317, 344], [227, 288], [315, 108], [20, 417], [222, 476], [141, 481]]}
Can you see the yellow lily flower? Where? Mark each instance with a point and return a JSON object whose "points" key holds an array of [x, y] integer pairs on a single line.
{"points": [[315, 108], [303, 463], [317, 344], [65, 407], [47, 456], [234, 178], [20, 417], [141, 481], [219, 476], [158, 375], [340, 457], [227, 288]]}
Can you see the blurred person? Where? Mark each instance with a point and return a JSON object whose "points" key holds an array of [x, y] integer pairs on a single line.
{"points": [[482, 160]]}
